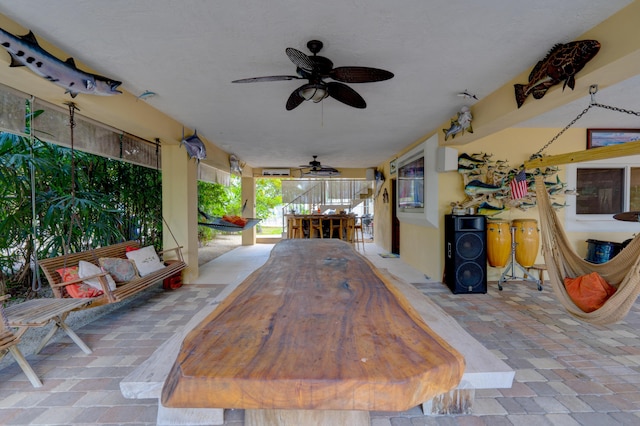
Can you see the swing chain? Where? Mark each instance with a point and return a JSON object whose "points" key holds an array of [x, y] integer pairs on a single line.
{"points": [[617, 109], [578, 117], [593, 89], [74, 216]]}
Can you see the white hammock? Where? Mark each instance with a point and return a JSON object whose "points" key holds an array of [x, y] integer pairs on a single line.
{"points": [[623, 271]]}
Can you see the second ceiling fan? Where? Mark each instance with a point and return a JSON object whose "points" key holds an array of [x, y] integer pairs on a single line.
{"points": [[315, 168], [315, 69]]}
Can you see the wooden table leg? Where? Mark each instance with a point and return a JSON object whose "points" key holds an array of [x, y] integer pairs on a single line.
{"points": [[306, 417]]}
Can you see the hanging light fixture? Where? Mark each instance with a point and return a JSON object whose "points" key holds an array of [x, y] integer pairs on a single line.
{"points": [[313, 92]]}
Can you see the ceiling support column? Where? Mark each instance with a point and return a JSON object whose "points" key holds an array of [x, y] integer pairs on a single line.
{"points": [[249, 200], [180, 206]]}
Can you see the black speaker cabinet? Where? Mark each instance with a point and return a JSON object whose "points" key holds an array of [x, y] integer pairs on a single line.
{"points": [[465, 246]]}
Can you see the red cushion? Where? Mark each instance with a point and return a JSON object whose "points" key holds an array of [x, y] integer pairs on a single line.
{"points": [[80, 290], [589, 292]]}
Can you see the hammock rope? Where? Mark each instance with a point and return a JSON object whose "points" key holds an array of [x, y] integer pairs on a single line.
{"points": [[622, 271]]}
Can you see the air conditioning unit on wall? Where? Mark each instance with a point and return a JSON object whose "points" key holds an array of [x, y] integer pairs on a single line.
{"points": [[276, 172]]}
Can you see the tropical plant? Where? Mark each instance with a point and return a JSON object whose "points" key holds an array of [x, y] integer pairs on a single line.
{"points": [[46, 215], [217, 200]]}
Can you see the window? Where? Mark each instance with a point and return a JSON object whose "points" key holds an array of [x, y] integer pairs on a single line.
{"points": [[604, 188], [600, 191]]}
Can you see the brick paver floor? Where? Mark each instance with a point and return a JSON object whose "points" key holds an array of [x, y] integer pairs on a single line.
{"points": [[567, 372]]}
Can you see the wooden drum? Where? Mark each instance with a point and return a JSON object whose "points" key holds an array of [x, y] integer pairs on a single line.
{"points": [[527, 239], [498, 242]]}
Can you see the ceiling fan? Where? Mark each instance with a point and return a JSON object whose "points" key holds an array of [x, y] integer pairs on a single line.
{"points": [[315, 69], [315, 168]]}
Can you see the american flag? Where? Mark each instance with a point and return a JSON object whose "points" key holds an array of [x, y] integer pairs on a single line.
{"points": [[519, 186]]}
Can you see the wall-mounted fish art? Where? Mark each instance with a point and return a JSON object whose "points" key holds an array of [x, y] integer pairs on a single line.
{"points": [[25, 51], [460, 124], [487, 189], [194, 146], [562, 63]]}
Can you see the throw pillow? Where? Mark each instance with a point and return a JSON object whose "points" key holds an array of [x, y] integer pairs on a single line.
{"points": [[80, 290], [146, 260], [589, 292], [122, 270], [86, 269]]}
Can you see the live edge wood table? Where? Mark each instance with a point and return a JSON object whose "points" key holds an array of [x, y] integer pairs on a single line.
{"points": [[315, 336]]}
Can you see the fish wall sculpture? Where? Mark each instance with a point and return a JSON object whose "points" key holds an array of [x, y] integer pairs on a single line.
{"points": [[459, 124], [194, 146], [562, 63], [486, 185], [25, 51]]}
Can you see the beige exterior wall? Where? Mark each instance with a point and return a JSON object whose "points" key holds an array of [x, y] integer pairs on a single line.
{"points": [[422, 247]]}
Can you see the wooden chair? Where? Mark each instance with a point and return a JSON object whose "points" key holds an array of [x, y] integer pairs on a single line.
{"points": [[9, 343]]}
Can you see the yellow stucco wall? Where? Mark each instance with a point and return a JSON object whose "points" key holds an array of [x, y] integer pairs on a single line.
{"points": [[422, 247]]}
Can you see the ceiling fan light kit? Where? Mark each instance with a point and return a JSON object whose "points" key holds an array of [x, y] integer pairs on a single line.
{"points": [[313, 92]]}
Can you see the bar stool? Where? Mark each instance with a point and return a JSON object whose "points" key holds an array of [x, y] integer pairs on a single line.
{"points": [[357, 227], [315, 225], [336, 223], [295, 228]]}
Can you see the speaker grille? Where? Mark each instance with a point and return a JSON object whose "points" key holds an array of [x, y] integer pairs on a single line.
{"points": [[469, 246], [470, 277]]}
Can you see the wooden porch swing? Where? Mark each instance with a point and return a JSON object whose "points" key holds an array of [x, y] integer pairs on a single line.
{"points": [[55, 267]]}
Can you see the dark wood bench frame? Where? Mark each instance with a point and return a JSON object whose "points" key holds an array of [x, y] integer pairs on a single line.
{"points": [[123, 291]]}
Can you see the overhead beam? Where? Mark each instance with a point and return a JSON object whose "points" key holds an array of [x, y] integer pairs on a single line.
{"points": [[618, 60], [600, 153]]}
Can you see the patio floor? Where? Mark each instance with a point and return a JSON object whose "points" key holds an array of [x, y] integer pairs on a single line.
{"points": [[567, 372]]}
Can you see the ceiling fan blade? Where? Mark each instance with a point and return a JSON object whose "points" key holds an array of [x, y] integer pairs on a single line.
{"points": [[294, 100], [346, 95], [301, 60], [268, 78], [359, 74]]}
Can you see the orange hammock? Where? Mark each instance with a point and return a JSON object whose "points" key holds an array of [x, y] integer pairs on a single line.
{"points": [[623, 271]]}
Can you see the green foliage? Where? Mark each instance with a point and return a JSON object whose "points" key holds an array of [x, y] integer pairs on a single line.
{"points": [[217, 200], [268, 196], [110, 201]]}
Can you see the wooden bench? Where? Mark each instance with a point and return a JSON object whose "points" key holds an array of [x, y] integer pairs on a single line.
{"points": [[315, 336], [36, 313], [123, 291]]}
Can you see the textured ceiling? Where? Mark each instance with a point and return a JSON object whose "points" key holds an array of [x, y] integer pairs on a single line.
{"points": [[188, 52]]}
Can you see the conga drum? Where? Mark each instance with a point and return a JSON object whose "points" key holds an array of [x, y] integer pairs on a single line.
{"points": [[498, 242], [527, 239]]}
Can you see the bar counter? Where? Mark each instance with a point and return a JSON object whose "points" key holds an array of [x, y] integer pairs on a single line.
{"points": [[321, 226]]}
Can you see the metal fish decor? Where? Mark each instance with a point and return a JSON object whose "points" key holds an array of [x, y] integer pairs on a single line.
{"points": [[459, 124], [562, 63], [194, 146], [487, 188], [25, 51]]}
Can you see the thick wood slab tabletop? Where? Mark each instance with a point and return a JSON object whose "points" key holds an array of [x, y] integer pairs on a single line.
{"points": [[316, 327]]}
